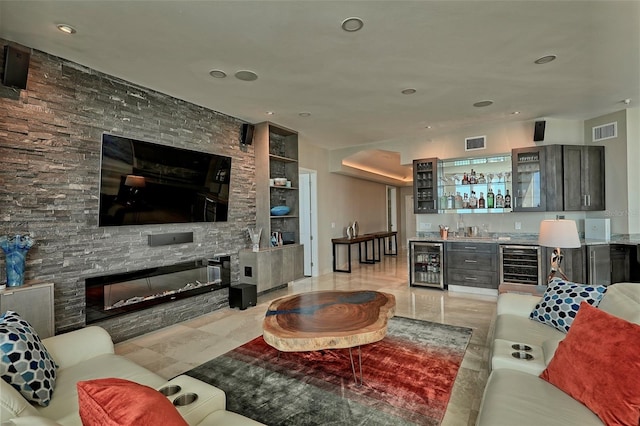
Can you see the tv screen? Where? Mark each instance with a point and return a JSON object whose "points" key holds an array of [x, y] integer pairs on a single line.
{"points": [[148, 183]]}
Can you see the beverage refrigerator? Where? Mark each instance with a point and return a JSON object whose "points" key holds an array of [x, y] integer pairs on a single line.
{"points": [[425, 264]]}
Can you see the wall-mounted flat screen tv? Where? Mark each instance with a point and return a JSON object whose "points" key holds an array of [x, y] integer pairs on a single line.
{"points": [[148, 183]]}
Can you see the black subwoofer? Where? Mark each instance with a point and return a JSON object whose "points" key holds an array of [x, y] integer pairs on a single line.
{"points": [[242, 296]]}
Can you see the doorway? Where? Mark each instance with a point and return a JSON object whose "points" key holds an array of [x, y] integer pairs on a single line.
{"points": [[309, 220], [392, 210], [409, 220]]}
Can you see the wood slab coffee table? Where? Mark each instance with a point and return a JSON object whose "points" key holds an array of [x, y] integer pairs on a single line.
{"points": [[328, 320]]}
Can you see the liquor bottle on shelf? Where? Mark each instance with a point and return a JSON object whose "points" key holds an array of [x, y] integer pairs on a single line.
{"points": [[443, 201], [499, 200], [490, 198], [465, 201], [450, 201], [472, 177], [458, 201], [482, 179], [481, 202], [473, 201], [465, 179], [507, 200]]}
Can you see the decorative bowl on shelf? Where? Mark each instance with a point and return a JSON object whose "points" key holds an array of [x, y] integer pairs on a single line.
{"points": [[280, 210], [280, 181]]}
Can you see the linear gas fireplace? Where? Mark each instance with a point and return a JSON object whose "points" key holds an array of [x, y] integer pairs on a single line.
{"points": [[112, 295]]}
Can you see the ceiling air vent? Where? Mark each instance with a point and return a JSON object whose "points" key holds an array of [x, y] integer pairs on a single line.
{"points": [[475, 142], [606, 131]]}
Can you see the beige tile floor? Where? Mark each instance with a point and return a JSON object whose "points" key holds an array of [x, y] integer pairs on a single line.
{"points": [[178, 348]]}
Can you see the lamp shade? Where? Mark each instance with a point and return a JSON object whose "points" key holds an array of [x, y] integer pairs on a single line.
{"points": [[134, 181], [559, 233]]}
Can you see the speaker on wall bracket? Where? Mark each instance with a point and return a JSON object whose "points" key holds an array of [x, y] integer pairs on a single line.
{"points": [[247, 134], [538, 131], [16, 67]]}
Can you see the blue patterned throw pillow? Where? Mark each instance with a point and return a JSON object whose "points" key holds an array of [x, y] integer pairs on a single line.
{"points": [[560, 303], [25, 363]]}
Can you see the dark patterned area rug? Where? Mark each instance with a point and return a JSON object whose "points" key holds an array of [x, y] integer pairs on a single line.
{"points": [[408, 377]]}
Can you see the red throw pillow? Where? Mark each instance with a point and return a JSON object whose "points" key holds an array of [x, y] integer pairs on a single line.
{"points": [[119, 402], [598, 364]]}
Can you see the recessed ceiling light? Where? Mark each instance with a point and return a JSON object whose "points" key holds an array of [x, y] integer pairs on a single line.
{"points": [[67, 29], [352, 25], [408, 91], [545, 59], [428, 127], [304, 114], [269, 112], [483, 104], [246, 75], [217, 74], [515, 113]]}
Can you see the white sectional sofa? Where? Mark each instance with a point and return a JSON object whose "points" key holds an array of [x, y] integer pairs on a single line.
{"points": [[88, 354], [515, 394]]}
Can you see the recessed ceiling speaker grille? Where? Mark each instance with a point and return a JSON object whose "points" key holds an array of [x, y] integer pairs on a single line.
{"points": [[16, 67], [605, 131], [538, 131], [475, 143]]}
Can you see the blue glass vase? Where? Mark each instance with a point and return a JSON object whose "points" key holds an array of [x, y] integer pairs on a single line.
{"points": [[15, 249], [15, 268]]}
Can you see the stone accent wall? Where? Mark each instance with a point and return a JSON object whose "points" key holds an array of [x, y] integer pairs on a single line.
{"points": [[50, 136]]}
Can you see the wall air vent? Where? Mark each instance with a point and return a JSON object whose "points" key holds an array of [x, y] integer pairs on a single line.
{"points": [[475, 142], [605, 131]]}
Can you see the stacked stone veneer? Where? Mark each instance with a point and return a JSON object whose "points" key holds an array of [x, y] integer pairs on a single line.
{"points": [[50, 137]]}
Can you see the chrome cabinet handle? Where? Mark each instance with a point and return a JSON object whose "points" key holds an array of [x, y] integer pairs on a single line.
{"points": [[471, 248], [470, 261], [470, 279]]}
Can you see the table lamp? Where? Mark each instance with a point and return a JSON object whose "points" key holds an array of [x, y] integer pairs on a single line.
{"points": [[558, 233]]}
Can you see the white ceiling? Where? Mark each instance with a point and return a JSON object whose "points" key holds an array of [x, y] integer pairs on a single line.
{"points": [[454, 53]]}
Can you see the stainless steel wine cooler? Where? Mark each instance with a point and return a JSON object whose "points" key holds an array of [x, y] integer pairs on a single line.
{"points": [[425, 264], [520, 265]]}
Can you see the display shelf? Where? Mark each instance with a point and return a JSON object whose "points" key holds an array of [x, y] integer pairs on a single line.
{"points": [[282, 158], [425, 172], [475, 177]]}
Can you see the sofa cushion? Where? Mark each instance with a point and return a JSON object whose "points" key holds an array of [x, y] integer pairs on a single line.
{"points": [[623, 300], [561, 301], [598, 364], [119, 402], [517, 398], [64, 404], [26, 365], [521, 329]]}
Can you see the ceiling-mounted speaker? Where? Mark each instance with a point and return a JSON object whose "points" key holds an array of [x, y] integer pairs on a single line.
{"points": [[16, 67], [538, 131], [247, 134]]}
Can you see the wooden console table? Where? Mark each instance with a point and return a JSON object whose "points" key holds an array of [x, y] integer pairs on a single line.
{"points": [[364, 240]]}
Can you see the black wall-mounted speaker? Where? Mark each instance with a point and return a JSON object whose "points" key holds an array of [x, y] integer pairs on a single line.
{"points": [[247, 134], [16, 67], [538, 131]]}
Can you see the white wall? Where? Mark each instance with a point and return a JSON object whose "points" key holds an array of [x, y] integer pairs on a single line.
{"points": [[341, 200], [633, 168], [616, 184]]}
